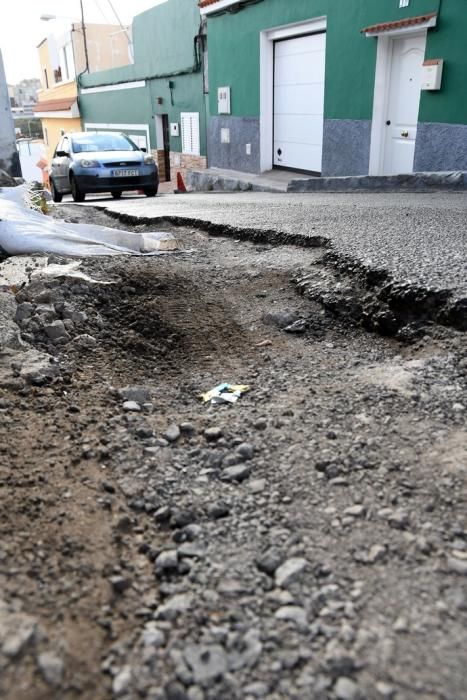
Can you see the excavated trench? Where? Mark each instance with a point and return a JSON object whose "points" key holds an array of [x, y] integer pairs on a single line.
{"points": [[142, 547], [370, 297]]}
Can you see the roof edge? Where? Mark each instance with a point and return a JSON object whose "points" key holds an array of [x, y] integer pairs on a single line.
{"points": [[428, 19]]}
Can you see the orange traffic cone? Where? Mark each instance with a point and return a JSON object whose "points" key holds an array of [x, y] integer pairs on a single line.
{"points": [[180, 184]]}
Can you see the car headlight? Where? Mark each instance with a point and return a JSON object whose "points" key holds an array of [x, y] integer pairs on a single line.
{"points": [[90, 163], [148, 160]]}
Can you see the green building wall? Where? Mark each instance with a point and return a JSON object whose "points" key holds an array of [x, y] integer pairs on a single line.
{"points": [[234, 60], [164, 50]]}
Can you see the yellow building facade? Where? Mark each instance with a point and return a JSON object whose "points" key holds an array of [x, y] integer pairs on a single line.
{"points": [[61, 60]]}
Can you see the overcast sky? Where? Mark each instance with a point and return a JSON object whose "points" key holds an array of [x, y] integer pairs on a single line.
{"points": [[21, 29]]}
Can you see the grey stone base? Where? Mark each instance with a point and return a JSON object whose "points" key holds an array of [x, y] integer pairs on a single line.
{"points": [[415, 182], [201, 181], [346, 147], [441, 147], [233, 155]]}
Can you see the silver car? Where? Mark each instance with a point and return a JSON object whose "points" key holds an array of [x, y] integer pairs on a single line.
{"points": [[101, 162]]}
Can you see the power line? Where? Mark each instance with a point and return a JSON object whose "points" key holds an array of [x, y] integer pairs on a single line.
{"points": [[104, 16], [119, 21]]}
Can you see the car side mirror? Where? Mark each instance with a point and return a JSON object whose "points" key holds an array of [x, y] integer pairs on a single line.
{"points": [[62, 154], [145, 150]]}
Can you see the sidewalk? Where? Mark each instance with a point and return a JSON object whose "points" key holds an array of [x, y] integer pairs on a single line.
{"points": [[215, 179]]}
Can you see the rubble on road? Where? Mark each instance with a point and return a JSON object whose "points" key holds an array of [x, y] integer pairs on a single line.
{"points": [[309, 543]]}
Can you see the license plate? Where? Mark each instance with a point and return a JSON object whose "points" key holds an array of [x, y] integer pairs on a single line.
{"points": [[125, 173]]}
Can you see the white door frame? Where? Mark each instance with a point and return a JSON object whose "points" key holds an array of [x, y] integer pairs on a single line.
{"points": [[266, 119], [382, 85]]}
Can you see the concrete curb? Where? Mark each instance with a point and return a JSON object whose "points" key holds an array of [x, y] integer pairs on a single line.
{"points": [[456, 181], [199, 181], [414, 182]]}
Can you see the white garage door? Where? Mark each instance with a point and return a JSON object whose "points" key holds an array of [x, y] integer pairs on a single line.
{"points": [[299, 102]]}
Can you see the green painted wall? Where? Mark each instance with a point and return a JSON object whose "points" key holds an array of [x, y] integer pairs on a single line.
{"points": [[448, 41], [164, 50], [350, 56]]}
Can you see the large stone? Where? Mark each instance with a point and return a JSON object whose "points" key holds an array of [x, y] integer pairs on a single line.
{"points": [[56, 331], [122, 682], [166, 561], [457, 566], [269, 561], [17, 632], [247, 652], [9, 331], [152, 636], [290, 571], [245, 450], [51, 667], [135, 392], [399, 519], [23, 311], [172, 433], [213, 433], [293, 613], [207, 662], [239, 472], [346, 689], [85, 341], [131, 406], [174, 606], [282, 318], [36, 367]]}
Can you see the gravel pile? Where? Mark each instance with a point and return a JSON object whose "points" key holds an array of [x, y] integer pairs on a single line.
{"points": [[308, 541]]}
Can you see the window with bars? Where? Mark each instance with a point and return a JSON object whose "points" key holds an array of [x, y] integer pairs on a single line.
{"points": [[190, 133]]}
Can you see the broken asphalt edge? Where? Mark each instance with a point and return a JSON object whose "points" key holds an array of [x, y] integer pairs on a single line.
{"points": [[393, 304]]}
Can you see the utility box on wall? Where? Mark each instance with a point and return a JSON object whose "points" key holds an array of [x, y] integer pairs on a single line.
{"points": [[223, 100], [174, 129], [432, 73]]}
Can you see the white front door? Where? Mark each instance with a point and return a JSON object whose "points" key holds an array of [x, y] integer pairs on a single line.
{"points": [[299, 65], [402, 104]]}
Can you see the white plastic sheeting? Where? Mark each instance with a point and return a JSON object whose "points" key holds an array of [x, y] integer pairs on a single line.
{"points": [[24, 232]]}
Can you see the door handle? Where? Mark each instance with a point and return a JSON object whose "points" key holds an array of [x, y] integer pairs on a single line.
{"points": [[405, 134]]}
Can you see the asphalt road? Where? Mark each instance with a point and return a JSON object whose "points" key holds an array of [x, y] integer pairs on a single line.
{"points": [[418, 238]]}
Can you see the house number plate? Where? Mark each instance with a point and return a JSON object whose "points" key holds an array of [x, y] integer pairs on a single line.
{"points": [[124, 173]]}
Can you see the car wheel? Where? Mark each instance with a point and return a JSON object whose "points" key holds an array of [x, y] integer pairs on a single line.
{"points": [[56, 196], [150, 191], [116, 195], [76, 193]]}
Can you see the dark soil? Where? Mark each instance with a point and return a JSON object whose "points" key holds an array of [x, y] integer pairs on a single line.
{"points": [[356, 464]]}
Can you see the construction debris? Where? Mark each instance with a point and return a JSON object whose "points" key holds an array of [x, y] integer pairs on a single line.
{"points": [[24, 231], [225, 393]]}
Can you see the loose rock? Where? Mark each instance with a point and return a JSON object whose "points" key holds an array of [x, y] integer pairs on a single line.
{"points": [[290, 571], [207, 662]]}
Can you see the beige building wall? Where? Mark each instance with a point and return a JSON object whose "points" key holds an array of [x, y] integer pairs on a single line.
{"points": [[107, 47], [47, 76]]}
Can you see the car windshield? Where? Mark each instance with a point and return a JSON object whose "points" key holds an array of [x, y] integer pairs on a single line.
{"points": [[88, 143]]}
